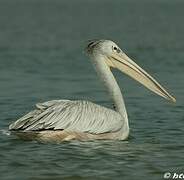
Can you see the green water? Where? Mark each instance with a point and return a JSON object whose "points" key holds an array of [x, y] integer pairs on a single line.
{"points": [[42, 58]]}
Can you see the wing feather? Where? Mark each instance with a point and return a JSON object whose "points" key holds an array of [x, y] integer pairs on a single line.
{"points": [[81, 116]]}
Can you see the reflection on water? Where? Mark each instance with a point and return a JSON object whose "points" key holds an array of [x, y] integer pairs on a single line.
{"points": [[42, 58]]}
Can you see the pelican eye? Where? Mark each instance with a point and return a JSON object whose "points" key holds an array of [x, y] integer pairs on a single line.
{"points": [[116, 49]]}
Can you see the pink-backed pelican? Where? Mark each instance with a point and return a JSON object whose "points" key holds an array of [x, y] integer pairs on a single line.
{"points": [[61, 120]]}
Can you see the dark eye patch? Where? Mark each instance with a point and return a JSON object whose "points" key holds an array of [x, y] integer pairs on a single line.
{"points": [[116, 49]]}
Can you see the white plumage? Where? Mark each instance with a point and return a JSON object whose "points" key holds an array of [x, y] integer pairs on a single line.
{"points": [[60, 120], [80, 116]]}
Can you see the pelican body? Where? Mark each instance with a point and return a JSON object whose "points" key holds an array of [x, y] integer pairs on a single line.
{"points": [[64, 120]]}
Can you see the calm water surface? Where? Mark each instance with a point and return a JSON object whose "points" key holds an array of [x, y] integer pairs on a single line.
{"points": [[42, 58]]}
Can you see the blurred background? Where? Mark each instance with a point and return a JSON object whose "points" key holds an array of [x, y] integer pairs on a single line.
{"points": [[42, 58]]}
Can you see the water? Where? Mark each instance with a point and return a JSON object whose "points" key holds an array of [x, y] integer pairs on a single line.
{"points": [[42, 58]]}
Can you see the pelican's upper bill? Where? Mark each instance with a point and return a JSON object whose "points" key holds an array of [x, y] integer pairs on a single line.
{"points": [[116, 58]]}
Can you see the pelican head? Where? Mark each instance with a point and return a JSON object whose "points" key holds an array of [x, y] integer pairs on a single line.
{"points": [[114, 57]]}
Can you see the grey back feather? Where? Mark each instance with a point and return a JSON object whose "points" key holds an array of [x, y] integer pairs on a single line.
{"points": [[81, 116]]}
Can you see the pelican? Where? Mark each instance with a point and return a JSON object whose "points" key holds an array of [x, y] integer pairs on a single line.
{"points": [[65, 120]]}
